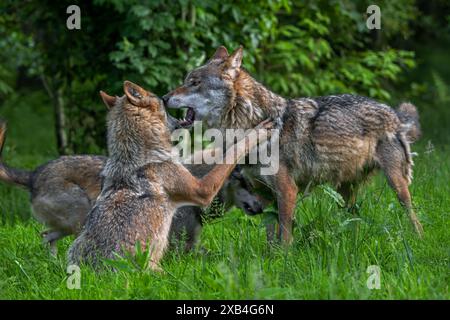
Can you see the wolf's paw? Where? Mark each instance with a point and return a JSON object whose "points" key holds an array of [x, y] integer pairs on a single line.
{"points": [[418, 228]]}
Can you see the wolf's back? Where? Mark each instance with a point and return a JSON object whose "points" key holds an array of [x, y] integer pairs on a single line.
{"points": [[347, 116]]}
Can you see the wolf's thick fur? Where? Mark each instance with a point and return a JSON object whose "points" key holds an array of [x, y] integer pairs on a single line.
{"points": [[64, 190], [142, 185], [338, 139]]}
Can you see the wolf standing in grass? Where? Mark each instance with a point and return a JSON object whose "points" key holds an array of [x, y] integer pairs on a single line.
{"points": [[339, 139], [142, 185]]}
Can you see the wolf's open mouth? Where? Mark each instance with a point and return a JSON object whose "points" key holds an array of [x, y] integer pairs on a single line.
{"points": [[188, 119]]}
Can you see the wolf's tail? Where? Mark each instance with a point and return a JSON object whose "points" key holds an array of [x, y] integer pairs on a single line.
{"points": [[10, 175], [409, 117], [409, 133]]}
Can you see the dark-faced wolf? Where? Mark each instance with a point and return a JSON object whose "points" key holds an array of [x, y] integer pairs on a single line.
{"points": [[64, 190], [142, 184], [337, 139]]}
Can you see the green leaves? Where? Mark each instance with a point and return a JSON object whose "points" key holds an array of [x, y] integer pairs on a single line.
{"points": [[337, 198], [296, 48], [137, 261]]}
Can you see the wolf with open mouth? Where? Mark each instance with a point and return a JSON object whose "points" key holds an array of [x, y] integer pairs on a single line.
{"points": [[337, 139]]}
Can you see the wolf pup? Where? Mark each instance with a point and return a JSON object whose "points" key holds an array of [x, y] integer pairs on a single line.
{"points": [[142, 185], [64, 190], [339, 139]]}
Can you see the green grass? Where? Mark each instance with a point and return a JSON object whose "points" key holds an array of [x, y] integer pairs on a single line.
{"points": [[328, 259]]}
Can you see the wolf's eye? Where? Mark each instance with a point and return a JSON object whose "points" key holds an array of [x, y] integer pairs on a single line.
{"points": [[194, 82]]}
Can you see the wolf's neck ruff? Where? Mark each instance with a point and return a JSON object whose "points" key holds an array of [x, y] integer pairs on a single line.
{"points": [[131, 147], [251, 103]]}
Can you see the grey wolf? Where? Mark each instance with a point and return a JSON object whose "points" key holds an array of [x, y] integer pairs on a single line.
{"points": [[64, 190], [338, 139], [142, 185]]}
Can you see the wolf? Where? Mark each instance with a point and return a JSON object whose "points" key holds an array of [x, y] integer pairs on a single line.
{"points": [[337, 139], [142, 183], [64, 190]]}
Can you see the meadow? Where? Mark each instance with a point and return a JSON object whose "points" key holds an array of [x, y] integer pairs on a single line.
{"points": [[328, 259]]}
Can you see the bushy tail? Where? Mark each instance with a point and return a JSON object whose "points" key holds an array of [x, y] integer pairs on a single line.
{"points": [[409, 117], [10, 175], [409, 133]]}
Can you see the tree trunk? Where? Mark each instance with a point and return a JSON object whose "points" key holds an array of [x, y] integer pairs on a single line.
{"points": [[57, 97], [60, 122]]}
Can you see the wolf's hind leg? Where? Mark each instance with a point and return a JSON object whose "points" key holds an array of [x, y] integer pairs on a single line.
{"points": [[349, 192], [50, 237], [270, 232], [393, 162], [287, 195], [400, 186]]}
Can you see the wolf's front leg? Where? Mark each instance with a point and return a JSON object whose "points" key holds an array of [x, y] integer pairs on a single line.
{"points": [[191, 190], [287, 190]]}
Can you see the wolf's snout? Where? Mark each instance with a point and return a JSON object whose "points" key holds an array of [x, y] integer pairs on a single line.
{"points": [[252, 208]]}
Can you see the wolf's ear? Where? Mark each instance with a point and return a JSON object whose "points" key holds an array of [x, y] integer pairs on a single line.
{"points": [[109, 101], [220, 54], [234, 62], [135, 94]]}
